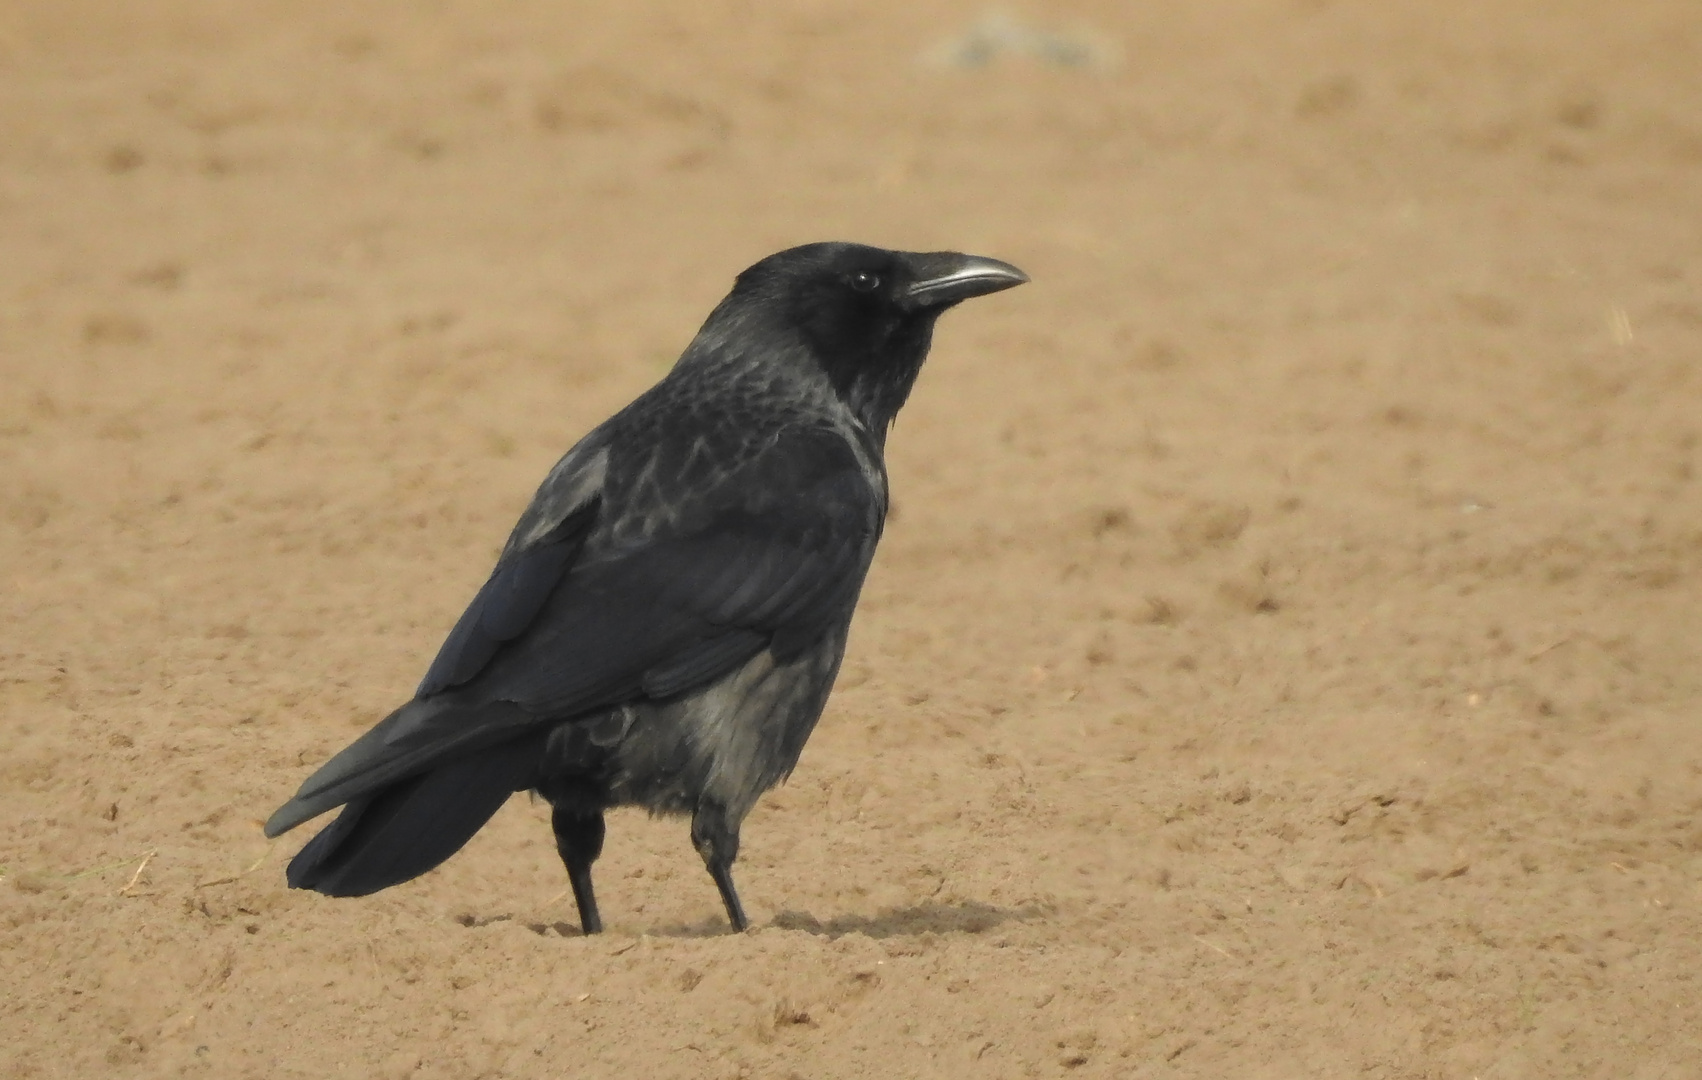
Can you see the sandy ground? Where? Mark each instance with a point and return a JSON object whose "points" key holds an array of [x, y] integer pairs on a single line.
{"points": [[1283, 661]]}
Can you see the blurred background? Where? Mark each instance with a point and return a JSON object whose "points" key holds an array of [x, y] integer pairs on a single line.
{"points": [[1282, 659]]}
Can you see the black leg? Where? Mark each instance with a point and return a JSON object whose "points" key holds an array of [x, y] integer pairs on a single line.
{"points": [[717, 840], [579, 838]]}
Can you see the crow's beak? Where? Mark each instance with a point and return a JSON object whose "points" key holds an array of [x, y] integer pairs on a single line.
{"points": [[944, 278]]}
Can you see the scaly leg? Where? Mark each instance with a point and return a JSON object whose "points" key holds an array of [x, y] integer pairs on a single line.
{"points": [[579, 839], [717, 840]]}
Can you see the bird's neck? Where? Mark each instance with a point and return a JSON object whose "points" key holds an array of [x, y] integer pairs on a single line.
{"points": [[875, 394], [872, 382]]}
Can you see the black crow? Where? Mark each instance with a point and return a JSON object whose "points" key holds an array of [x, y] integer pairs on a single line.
{"points": [[667, 618]]}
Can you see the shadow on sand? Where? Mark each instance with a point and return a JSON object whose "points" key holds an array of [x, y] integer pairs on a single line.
{"points": [[969, 917]]}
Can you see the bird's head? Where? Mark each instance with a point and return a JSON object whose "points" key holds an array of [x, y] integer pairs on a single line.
{"points": [[865, 314]]}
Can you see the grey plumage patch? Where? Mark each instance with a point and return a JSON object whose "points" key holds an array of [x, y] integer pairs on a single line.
{"points": [[728, 742], [576, 479]]}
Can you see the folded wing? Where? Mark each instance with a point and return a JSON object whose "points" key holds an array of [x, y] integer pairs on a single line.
{"points": [[570, 622]]}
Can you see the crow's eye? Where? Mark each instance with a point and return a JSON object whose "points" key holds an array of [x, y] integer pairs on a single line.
{"points": [[864, 281]]}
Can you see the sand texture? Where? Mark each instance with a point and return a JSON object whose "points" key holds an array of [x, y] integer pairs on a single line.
{"points": [[1284, 659]]}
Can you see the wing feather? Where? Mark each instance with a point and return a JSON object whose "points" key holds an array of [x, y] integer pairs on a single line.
{"points": [[571, 621], [777, 549], [543, 546]]}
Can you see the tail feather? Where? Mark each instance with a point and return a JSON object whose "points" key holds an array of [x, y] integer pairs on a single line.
{"points": [[408, 742], [399, 832]]}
